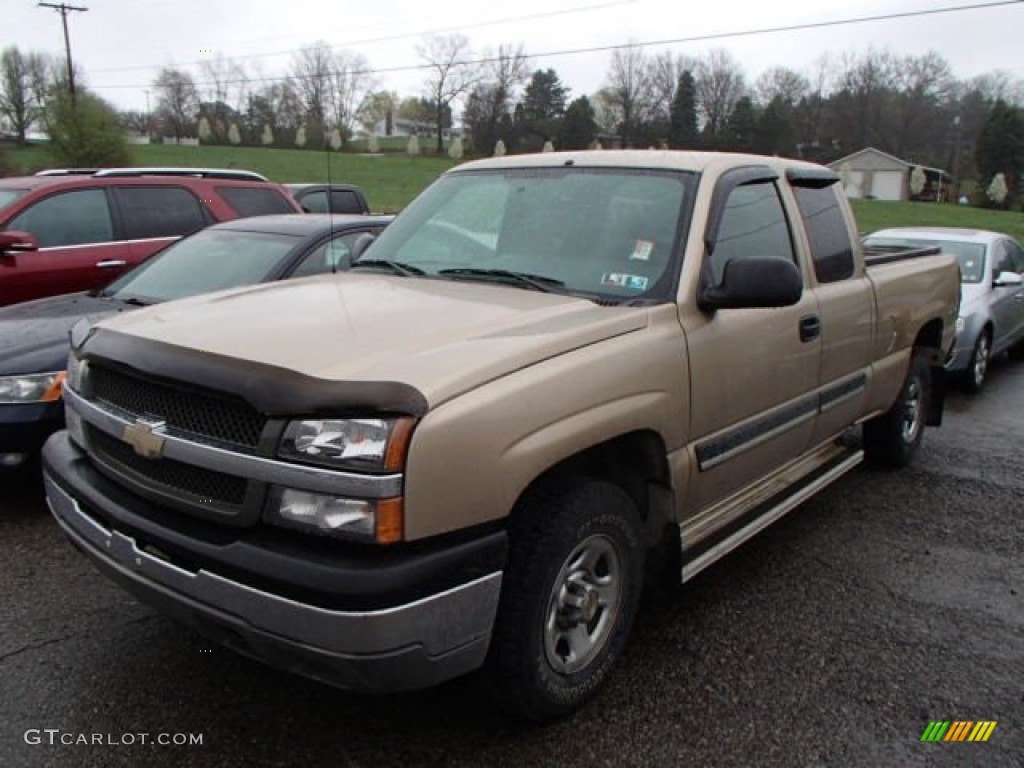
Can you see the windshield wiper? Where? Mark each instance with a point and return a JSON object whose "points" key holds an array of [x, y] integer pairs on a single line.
{"points": [[537, 282], [397, 267], [134, 301]]}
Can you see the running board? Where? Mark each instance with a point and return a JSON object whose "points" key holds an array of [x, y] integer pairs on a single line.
{"points": [[772, 511]]}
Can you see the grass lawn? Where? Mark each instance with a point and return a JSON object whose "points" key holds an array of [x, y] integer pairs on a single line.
{"points": [[878, 214], [391, 180]]}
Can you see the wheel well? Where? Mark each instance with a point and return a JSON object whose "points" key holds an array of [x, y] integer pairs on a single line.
{"points": [[930, 335], [637, 463]]}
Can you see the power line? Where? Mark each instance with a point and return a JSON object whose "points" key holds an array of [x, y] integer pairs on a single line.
{"points": [[667, 41], [403, 36], [64, 10]]}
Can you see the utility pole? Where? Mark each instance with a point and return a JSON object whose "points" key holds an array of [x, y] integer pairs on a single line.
{"points": [[63, 9]]}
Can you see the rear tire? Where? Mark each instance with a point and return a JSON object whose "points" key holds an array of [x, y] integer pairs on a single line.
{"points": [[892, 439], [569, 597], [977, 369]]}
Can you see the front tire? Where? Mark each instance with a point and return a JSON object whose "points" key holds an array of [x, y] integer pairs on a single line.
{"points": [[569, 597], [977, 369], [892, 439]]}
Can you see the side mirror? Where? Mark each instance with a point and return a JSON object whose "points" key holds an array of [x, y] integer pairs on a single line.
{"points": [[14, 241], [359, 247], [1004, 279], [752, 283]]}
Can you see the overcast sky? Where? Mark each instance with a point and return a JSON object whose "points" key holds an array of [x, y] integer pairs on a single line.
{"points": [[120, 44]]}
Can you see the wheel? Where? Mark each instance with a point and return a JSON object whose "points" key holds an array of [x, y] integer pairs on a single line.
{"points": [[893, 438], [569, 597], [978, 367]]}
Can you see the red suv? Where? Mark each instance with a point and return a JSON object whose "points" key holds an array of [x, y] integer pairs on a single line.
{"points": [[73, 230]]}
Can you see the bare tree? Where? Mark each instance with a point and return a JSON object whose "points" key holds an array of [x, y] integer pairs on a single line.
{"points": [[926, 90], [664, 71], [312, 73], [451, 74], [350, 83], [720, 84], [225, 87], [781, 85], [177, 101], [23, 81], [627, 93], [865, 86], [489, 104]]}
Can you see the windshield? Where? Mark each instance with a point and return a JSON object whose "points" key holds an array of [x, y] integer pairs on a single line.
{"points": [[970, 255], [604, 233], [8, 196], [211, 260]]}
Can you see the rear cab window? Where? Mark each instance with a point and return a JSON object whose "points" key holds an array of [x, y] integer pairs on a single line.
{"points": [[254, 201], [827, 233]]}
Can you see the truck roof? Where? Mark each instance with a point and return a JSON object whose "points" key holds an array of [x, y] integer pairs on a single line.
{"points": [[668, 159]]}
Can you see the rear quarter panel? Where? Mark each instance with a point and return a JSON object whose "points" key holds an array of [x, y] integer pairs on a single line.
{"points": [[909, 294]]}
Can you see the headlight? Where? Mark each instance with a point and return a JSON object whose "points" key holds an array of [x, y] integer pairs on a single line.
{"points": [[961, 323], [34, 388], [374, 445], [378, 520]]}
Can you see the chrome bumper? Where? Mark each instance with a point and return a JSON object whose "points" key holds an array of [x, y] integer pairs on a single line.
{"points": [[409, 646]]}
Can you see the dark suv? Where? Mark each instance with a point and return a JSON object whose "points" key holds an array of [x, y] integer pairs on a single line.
{"points": [[73, 230]]}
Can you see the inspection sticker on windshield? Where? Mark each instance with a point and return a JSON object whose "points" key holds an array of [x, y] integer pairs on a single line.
{"points": [[642, 250], [622, 280]]}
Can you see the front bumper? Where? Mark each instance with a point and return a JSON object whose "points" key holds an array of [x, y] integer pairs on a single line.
{"points": [[24, 427], [403, 646]]}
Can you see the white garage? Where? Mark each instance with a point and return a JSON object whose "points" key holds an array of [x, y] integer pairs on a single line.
{"points": [[872, 173]]}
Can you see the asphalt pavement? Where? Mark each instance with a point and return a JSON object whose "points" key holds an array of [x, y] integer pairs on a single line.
{"points": [[890, 600]]}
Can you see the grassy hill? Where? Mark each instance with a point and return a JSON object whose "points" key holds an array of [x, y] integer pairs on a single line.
{"points": [[391, 180]]}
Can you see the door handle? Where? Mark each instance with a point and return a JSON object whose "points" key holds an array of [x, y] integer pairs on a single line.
{"points": [[810, 327], [111, 263]]}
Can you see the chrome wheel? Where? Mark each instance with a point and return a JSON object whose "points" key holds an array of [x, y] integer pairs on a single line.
{"points": [[584, 604], [913, 412], [980, 363]]}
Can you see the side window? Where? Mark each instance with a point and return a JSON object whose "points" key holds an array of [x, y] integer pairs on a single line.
{"points": [[158, 212], [314, 202], [1002, 258], [753, 226], [331, 256], [1017, 254], [345, 201], [827, 233], [68, 218], [253, 201]]}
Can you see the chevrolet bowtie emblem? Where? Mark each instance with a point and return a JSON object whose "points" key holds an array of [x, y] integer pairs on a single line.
{"points": [[145, 437]]}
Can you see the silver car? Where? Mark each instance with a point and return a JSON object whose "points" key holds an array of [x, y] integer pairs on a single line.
{"points": [[991, 291]]}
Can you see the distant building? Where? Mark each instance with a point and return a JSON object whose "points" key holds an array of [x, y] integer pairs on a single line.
{"points": [[877, 175]]}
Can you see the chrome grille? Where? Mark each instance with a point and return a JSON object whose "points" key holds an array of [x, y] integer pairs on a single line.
{"points": [[204, 415], [166, 475]]}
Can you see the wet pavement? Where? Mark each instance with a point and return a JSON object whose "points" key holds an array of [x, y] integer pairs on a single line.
{"points": [[888, 601]]}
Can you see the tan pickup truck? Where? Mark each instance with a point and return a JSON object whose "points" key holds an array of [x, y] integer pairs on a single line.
{"points": [[551, 376]]}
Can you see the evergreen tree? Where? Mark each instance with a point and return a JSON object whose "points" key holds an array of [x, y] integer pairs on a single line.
{"points": [[740, 128], [774, 134], [1000, 147], [683, 132], [579, 127]]}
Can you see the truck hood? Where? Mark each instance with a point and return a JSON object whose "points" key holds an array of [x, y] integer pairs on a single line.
{"points": [[34, 334], [440, 337]]}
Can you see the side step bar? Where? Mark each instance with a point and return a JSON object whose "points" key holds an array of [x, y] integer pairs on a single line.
{"points": [[764, 515]]}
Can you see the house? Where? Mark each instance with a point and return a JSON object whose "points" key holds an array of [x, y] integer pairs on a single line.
{"points": [[872, 173]]}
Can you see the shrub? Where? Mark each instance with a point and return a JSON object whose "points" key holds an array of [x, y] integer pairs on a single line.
{"points": [[85, 133]]}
